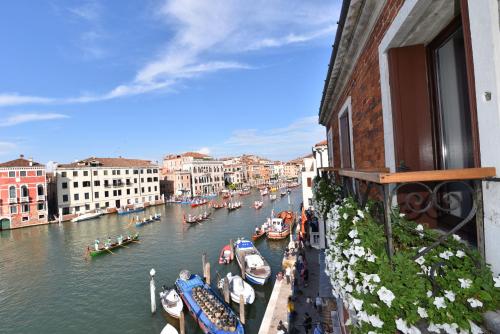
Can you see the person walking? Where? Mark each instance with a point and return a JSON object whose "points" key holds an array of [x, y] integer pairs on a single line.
{"points": [[318, 304], [291, 310], [307, 323], [288, 274]]}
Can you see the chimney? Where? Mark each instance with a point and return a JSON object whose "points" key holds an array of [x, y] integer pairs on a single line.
{"points": [[21, 156], [30, 161]]}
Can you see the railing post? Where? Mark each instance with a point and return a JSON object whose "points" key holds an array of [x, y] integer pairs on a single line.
{"points": [[478, 198], [387, 219]]}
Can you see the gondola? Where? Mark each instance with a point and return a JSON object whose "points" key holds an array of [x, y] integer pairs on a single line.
{"points": [[213, 315], [107, 250]]}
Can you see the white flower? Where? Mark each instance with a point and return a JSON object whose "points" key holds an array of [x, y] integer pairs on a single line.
{"points": [[386, 295], [348, 288], [357, 303], [370, 258], [429, 294], [359, 251], [450, 295], [401, 215], [460, 254], [361, 214], [353, 234], [345, 216], [446, 255], [456, 237], [375, 321], [363, 316], [475, 329], [419, 228], [356, 241], [422, 312], [465, 283], [433, 328], [475, 303], [439, 302], [497, 281], [401, 325], [420, 260]]}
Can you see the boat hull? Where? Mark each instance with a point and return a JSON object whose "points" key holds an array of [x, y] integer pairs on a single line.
{"points": [[130, 211], [113, 246]]}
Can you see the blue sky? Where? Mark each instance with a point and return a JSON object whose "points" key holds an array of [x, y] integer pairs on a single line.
{"points": [[143, 78]]}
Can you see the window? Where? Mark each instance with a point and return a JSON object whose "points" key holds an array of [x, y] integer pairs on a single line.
{"points": [[87, 207], [75, 173], [136, 171], [106, 194], [148, 171], [105, 172], [135, 180], [142, 179], [65, 198], [155, 179], [41, 216], [310, 201], [25, 219], [25, 208], [95, 173], [156, 197], [87, 196], [96, 195], [345, 139], [77, 208], [85, 173], [63, 174], [309, 182], [97, 183], [86, 184], [115, 193], [76, 197], [155, 171], [150, 179], [40, 190], [118, 172], [41, 206], [119, 192], [64, 185], [12, 192], [13, 209], [126, 171], [142, 189], [106, 204], [65, 211], [113, 172], [128, 191], [24, 191], [149, 189], [156, 188], [136, 190], [12, 174], [39, 173], [75, 184], [97, 205], [22, 173]]}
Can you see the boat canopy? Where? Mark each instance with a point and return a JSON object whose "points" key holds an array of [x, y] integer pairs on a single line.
{"points": [[245, 244], [253, 261]]}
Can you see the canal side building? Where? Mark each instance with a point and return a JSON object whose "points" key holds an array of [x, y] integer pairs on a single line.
{"points": [[445, 118], [23, 189], [106, 184]]}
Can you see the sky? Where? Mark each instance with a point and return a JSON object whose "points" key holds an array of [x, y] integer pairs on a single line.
{"points": [[145, 78]]}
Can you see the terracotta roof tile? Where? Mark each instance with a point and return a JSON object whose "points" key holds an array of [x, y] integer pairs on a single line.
{"points": [[21, 162], [109, 162], [322, 143]]}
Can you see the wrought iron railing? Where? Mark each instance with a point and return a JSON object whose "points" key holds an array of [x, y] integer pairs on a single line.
{"points": [[440, 191]]}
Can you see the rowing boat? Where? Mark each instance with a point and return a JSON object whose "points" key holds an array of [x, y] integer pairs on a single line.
{"points": [[107, 250]]}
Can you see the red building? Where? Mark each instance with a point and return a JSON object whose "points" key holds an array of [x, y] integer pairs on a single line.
{"points": [[23, 189]]}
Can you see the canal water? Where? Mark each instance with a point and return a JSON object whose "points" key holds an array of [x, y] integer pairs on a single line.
{"points": [[46, 285]]}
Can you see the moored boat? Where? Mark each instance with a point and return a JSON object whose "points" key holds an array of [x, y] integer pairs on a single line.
{"points": [[237, 287], [272, 197], [264, 192], [87, 216], [197, 202], [283, 193], [212, 314], [258, 204], [226, 255], [109, 246], [169, 329], [257, 270], [233, 206], [171, 302], [259, 232], [288, 217]]}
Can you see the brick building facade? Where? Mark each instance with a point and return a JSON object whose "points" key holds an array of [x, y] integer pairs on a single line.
{"points": [[23, 190]]}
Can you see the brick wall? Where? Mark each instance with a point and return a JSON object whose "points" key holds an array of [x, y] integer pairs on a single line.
{"points": [[364, 88]]}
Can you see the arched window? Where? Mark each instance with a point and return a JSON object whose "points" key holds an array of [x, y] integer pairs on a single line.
{"points": [[24, 191], [12, 192], [40, 190]]}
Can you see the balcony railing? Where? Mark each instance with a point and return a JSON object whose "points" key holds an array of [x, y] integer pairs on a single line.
{"points": [[438, 191], [24, 199], [41, 197], [12, 200]]}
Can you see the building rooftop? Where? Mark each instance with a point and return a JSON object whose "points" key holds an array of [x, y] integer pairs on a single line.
{"points": [[321, 143], [21, 162], [108, 162]]}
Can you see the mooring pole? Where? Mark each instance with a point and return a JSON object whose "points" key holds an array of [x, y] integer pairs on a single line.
{"points": [[203, 262], [242, 309], [225, 289], [207, 273], [152, 290], [243, 269], [181, 323]]}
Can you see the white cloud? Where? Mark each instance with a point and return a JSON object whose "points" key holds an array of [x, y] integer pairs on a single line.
{"points": [[208, 36], [204, 150], [291, 141], [29, 117], [7, 147]]}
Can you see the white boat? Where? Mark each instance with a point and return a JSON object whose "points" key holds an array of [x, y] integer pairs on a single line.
{"points": [[169, 329], [172, 303], [237, 287], [257, 270], [272, 197], [87, 216]]}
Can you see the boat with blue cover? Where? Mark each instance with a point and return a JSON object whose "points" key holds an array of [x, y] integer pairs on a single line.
{"points": [[214, 316], [256, 268]]}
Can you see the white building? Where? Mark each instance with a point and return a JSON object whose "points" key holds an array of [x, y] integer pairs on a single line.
{"points": [[235, 174], [106, 183], [207, 176]]}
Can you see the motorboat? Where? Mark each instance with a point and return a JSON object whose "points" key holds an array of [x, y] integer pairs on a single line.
{"points": [[172, 303], [256, 268], [238, 287], [87, 216]]}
